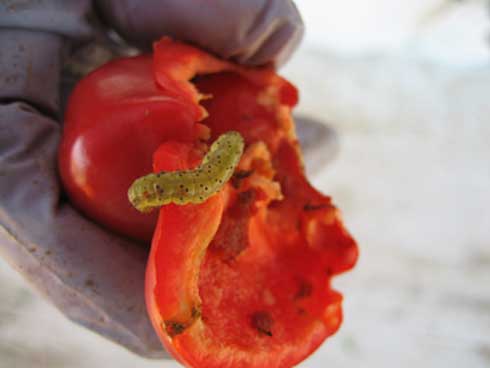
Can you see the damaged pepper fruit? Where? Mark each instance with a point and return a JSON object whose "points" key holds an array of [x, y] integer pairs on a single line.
{"points": [[241, 279]]}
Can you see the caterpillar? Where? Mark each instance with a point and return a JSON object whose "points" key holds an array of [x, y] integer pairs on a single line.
{"points": [[190, 186]]}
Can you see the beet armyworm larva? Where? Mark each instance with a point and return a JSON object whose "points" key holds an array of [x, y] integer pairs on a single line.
{"points": [[190, 186]]}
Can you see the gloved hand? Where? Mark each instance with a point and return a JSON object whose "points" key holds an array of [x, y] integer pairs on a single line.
{"points": [[94, 277]]}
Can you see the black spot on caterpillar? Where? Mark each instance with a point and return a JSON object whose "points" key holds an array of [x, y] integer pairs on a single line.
{"points": [[190, 186]]}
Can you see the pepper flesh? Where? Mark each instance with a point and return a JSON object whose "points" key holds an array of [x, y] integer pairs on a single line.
{"points": [[243, 279]]}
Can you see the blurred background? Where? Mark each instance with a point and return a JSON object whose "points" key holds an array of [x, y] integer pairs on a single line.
{"points": [[405, 86]]}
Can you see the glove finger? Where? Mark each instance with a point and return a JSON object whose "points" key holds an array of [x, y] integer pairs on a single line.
{"points": [[93, 277], [252, 32], [67, 18], [30, 72]]}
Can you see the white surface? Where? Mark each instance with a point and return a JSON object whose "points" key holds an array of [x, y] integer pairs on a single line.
{"points": [[448, 32]]}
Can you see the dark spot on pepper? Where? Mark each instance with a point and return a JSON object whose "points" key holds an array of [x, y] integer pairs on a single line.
{"points": [[174, 328], [262, 322], [246, 198], [196, 312], [304, 290], [242, 174], [246, 117], [298, 224], [315, 207], [237, 178]]}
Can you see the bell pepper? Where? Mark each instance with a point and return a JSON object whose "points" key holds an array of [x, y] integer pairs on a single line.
{"points": [[242, 279]]}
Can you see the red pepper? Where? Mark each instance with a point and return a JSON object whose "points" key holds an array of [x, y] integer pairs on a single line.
{"points": [[243, 279]]}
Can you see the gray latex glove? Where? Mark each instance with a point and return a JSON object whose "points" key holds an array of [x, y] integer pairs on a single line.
{"points": [[94, 277]]}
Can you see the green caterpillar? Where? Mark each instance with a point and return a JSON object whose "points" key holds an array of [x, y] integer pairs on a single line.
{"points": [[190, 186]]}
